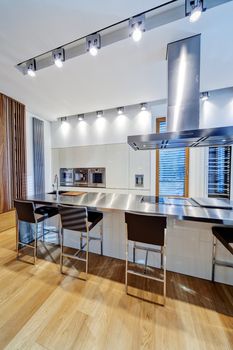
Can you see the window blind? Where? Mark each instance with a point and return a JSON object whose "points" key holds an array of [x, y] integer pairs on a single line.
{"points": [[172, 167], [219, 175]]}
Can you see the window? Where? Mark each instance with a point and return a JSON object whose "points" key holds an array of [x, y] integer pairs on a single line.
{"points": [[171, 168], [219, 175]]}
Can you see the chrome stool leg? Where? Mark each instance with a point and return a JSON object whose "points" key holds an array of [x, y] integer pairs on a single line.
{"points": [[62, 249], [164, 273], [81, 241], [101, 237], [146, 260], [214, 257], [134, 252]]}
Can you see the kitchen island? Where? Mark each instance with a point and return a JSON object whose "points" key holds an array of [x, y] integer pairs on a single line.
{"points": [[220, 212], [189, 234]]}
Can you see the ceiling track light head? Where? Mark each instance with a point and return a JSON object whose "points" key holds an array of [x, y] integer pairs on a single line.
{"points": [[143, 106], [194, 9], [120, 110], [80, 117], [31, 67], [93, 43], [58, 57], [99, 114], [137, 27]]}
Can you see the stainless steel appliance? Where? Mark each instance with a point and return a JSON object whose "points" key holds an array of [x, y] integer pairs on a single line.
{"points": [[81, 177], [183, 104], [96, 177], [66, 177]]}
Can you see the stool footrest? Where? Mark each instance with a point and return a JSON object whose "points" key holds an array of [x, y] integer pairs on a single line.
{"points": [[27, 245], [73, 257], [223, 263], [131, 272], [147, 249]]}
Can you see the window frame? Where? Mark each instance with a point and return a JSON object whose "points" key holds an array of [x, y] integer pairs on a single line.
{"points": [[230, 174], [187, 156]]}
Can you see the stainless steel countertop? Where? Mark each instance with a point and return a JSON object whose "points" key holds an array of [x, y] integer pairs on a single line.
{"points": [[130, 202]]}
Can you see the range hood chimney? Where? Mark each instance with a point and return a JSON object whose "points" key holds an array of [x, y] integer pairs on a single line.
{"points": [[183, 58]]}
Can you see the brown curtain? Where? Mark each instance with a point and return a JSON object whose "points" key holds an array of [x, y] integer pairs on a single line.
{"points": [[12, 152]]}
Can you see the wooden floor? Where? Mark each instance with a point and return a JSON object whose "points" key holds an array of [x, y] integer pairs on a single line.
{"points": [[41, 309]]}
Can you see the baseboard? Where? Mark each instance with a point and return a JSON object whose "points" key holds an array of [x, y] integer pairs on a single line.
{"points": [[7, 220]]}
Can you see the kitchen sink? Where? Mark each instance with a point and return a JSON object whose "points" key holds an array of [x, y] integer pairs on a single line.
{"points": [[59, 192]]}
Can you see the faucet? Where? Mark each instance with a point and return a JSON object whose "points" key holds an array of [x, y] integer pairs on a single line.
{"points": [[56, 183]]}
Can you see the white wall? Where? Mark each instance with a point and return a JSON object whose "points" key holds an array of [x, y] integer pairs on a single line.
{"points": [[47, 153], [111, 128]]}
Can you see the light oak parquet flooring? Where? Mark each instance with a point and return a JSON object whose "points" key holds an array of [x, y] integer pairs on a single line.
{"points": [[41, 309]]}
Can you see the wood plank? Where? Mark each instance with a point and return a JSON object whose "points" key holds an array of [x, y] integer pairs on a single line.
{"points": [[73, 193], [5, 194], [7, 220], [42, 309]]}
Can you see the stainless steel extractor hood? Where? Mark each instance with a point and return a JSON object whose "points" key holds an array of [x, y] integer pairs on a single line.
{"points": [[189, 138], [183, 58]]}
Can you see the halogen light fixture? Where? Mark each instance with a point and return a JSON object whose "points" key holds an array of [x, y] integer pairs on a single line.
{"points": [[204, 96], [80, 117], [59, 57], [194, 9], [93, 44], [99, 114], [143, 106], [31, 68], [120, 110], [63, 119], [137, 27]]}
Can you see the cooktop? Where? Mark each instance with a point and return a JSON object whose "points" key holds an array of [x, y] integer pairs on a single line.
{"points": [[168, 200]]}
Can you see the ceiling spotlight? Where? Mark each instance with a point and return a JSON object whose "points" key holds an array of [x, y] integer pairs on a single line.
{"points": [[137, 27], [63, 119], [93, 44], [59, 57], [99, 114], [194, 9], [31, 68], [143, 106], [80, 117], [204, 96], [120, 110]]}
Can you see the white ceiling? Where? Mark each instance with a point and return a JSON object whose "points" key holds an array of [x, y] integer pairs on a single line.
{"points": [[123, 73]]}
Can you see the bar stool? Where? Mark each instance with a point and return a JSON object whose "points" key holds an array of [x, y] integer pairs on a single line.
{"points": [[77, 219], [94, 218], [225, 236], [27, 212], [147, 229]]}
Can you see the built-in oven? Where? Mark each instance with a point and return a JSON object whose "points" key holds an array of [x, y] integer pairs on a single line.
{"points": [[96, 177], [66, 177], [81, 177]]}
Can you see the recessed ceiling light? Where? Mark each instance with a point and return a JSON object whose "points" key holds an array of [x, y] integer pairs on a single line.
{"points": [[99, 114], [143, 106], [204, 96], [80, 117], [120, 110]]}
